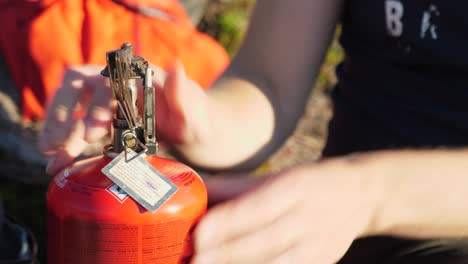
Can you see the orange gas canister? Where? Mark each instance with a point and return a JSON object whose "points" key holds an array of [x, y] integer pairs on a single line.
{"points": [[92, 220]]}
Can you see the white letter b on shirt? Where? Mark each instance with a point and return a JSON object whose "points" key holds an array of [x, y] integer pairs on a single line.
{"points": [[394, 14]]}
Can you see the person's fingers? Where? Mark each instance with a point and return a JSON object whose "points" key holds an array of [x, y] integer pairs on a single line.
{"points": [[258, 246], [170, 121], [79, 165], [97, 123], [298, 253], [99, 116], [185, 108], [76, 83], [57, 162], [60, 113], [174, 89], [72, 148], [236, 217], [159, 75]]}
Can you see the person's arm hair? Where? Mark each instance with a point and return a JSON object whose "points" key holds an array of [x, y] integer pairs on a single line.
{"points": [[256, 104], [419, 194], [320, 208]]}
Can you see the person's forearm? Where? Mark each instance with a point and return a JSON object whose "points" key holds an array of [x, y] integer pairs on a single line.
{"points": [[240, 121], [257, 103], [419, 194]]}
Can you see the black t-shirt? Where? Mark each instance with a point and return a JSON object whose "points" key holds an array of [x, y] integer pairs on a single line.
{"points": [[404, 80]]}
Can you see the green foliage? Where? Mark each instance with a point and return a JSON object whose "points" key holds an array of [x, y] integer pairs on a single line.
{"points": [[334, 56], [233, 24], [226, 21]]}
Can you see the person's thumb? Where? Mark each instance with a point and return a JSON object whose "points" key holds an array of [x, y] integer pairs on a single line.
{"points": [[71, 149], [184, 107], [177, 91]]}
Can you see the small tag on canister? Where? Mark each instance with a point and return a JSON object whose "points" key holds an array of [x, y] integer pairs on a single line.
{"points": [[145, 184]]}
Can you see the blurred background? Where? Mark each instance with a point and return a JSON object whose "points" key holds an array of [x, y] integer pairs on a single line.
{"points": [[226, 21]]}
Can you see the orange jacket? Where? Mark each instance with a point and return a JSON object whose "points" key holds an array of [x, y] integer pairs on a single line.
{"points": [[40, 38]]}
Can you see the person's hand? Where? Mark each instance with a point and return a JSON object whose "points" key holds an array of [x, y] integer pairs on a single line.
{"points": [[223, 187], [309, 214], [65, 136]]}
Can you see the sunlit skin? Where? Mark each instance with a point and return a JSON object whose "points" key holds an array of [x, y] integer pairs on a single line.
{"points": [[310, 213]]}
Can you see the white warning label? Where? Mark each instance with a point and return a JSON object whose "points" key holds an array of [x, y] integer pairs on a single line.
{"points": [[117, 192], [140, 180]]}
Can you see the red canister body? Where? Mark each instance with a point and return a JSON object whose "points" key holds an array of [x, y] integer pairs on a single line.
{"points": [[90, 221]]}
